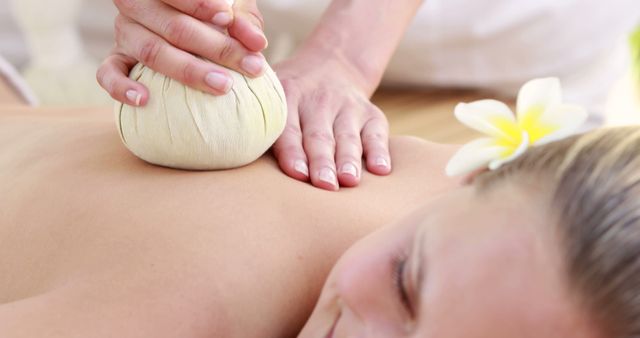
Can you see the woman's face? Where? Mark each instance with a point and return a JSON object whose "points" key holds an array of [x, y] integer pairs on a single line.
{"points": [[469, 265]]}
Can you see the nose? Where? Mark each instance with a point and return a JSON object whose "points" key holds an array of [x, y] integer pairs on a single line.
{"points": [[350, 325], [367, 303]]}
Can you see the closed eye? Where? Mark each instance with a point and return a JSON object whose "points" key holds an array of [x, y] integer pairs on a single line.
{"points": [[399, 272]]}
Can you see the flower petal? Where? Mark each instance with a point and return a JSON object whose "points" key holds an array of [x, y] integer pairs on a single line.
{"points": [[474, 155], [490, 117], [497, 163], [535, 96], [564, 119]]}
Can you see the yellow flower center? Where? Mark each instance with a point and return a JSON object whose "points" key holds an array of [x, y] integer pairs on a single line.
{"points": [[512, 133], [530, 122], [511, 138]]}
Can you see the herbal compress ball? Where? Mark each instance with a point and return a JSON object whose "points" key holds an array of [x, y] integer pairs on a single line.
{"points": [[184, 128]]}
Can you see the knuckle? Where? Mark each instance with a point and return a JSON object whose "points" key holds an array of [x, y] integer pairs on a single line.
{"points": [[149, 52], [289, 149], [322, 160], [374, 137], [351, 159], [225, 49], [322, 103], [190, 73], [252, 12], [323, 136], [350, 137], [320, 111], [101, 76], [322, 97], [107, 82], [202, 8], [125, 5], [378, 124], [290, 87], [178, 31], [376, 113], [286, 83], [118, 28], [257, 18], [293, 130], [381, 125]]}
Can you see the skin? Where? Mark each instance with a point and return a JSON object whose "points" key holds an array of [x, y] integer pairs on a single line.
{"points": [[167, 35], [468, 272], [97, 243], [329, 81]]}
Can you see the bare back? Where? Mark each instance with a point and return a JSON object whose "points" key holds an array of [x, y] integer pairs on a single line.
{"points": [[97, 243]]}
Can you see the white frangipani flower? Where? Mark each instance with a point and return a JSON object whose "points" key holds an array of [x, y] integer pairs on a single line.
{"points": [[541, 117]]}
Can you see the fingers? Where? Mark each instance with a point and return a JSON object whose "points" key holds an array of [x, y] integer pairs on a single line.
{"points": [[330, 129], [192, 36], [248, 26], [375, 141], [348, 149], [319, 144], [289, 152], [217, 12], [157, 54], [288, 148], [113, 77]]}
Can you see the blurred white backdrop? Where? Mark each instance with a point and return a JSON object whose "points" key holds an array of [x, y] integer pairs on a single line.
{"points": [[494, 44]]}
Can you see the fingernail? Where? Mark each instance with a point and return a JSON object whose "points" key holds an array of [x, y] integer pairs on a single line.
{"points": [[349, 169], [382, 162], [134, 97], [301, 167], [221, 19], [327, 175], [218, 81], [253, 64]]}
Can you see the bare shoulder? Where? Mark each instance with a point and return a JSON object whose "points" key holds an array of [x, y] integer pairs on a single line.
{"points": [[406, 141], [418, 174], [412, 152]]}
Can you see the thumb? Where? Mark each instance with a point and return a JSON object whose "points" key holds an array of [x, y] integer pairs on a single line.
{"points": [[248, 25]]}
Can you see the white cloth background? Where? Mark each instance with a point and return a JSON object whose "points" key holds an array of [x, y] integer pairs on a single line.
{"points": [[95, 25], [496, 44], [9, 74]]}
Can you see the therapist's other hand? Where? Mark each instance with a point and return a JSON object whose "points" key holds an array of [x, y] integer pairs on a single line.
{"points": [[331, 123], [172, 36]]}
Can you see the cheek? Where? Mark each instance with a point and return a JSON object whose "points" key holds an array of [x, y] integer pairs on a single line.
{"points": [[363, 282], [361, 274], [367, 265], [366, 295]]}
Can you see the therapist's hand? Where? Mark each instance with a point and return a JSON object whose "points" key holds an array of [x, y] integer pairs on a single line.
{"points": [[331, 122], [169, 36]]}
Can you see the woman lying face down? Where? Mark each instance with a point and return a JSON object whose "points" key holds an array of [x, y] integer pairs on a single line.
{"points": [[91, 241], [97, 243], [546, 246]]}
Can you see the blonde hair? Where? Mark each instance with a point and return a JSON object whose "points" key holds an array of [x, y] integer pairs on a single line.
{"points": [[594, 180]]}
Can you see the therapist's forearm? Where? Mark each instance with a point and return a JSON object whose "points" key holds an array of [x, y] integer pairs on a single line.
{"points": [[364, 33]]}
